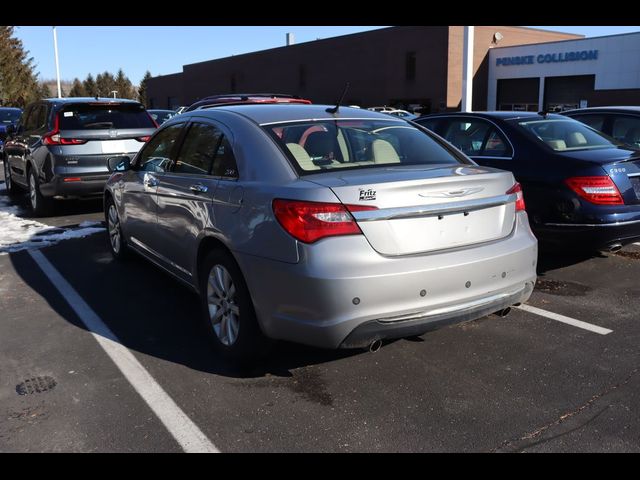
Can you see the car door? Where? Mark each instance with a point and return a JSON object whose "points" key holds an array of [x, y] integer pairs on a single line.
{"points": [[139, 190], [481, 140], [185, 196], [19, 147]]}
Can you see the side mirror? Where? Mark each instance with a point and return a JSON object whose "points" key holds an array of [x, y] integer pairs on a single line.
{"points": [[119, 164]]}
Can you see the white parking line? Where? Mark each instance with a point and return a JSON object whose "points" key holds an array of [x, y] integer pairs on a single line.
{"points": [[180, 426], [563, 319]]}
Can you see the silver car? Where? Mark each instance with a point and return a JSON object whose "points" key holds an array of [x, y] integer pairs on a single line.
{"points": [[330, 229]]}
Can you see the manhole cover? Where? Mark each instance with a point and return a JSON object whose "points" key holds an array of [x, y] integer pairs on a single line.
{"points": [[556, 287], [36, 385]]}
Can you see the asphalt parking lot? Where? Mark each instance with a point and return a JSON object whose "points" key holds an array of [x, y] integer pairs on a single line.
{"points": [[527, 382]]}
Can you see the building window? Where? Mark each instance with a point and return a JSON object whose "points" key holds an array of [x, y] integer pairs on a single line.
{"points": [[302, 79], [410, 66]]}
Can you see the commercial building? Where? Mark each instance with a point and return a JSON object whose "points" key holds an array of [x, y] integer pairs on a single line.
{"points": [[401, 66], [566, 74]]}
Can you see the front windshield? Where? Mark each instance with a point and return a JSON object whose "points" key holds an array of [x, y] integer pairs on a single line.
{"points": [[339, 144], [9, 115], [566, 135]]}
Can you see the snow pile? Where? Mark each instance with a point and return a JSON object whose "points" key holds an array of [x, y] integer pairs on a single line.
{"points": [[18, 233]]}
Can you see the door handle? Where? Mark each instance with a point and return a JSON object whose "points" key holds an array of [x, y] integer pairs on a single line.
{"points": [[198, 188], [150, 181]]}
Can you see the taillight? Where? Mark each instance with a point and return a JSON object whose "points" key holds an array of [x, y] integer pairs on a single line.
{"points": [[53, 137], [597, 189], [517, 189], [143, 139], [311, 221]]}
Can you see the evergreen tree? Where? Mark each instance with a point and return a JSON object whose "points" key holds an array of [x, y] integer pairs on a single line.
{"points": [[105, 84], [89, 85], [18, 80], [142, 89], [77, 89], [44, 91], [123, 86]]}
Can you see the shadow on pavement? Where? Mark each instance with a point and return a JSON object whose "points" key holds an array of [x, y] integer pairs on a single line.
{"points": [[150, 312]]}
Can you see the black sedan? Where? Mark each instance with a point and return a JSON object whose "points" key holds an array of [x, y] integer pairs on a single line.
{"points": [[581, 187], [621, 123]]}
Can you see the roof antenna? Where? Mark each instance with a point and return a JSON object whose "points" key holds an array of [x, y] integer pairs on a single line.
{"points": [[335, 109]]}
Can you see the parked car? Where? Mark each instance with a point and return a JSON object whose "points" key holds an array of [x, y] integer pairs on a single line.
{"points": [[8, 116], [244, 98], [328, 229], [67, 147], [582, 188], [161, 116], [621, 123], [383, 109], [401, 114]]}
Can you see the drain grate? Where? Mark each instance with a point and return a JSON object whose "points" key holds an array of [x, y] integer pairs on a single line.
{"points": [[36, 385]]}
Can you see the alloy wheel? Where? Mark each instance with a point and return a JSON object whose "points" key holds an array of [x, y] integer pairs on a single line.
{"points": [[224, 313], [114, 228], [33, 195]]}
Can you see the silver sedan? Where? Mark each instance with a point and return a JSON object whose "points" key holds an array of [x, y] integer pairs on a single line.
{"points": [[333, 229]]}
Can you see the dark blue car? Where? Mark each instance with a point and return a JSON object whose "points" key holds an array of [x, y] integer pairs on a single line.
{"points": [[581, 187], [8, 116]]}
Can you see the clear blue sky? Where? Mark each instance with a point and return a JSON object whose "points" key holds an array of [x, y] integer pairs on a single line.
{"points": [[164, 50]]}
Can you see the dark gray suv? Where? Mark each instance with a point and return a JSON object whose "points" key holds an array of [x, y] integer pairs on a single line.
{"points": [[67, 147]]}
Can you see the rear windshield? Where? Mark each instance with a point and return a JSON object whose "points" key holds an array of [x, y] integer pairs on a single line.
{"points": [[9, 116], [320, 145], [566, 135], [94, 117]]}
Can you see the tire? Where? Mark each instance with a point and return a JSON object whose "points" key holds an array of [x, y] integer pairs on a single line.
{"points": [[12, 188], [40, 206], [234, 333], [117, 243]]}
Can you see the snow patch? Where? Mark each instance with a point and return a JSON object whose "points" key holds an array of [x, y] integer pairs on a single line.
{"points": [[17, 233]]}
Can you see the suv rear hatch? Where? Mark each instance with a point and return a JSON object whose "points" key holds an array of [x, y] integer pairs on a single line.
{"points": [[88, 134], [426, 209]]}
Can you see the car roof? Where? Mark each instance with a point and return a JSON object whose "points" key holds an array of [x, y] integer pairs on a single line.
{"points": [[616, 108], [286, 112], [499, 115], [70, 100], [10, 108]]}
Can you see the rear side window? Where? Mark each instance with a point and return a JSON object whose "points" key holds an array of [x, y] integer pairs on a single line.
{"points": [[36, 118], [156, 155], [198, 150], [340, 144], [562, 135], [627, 130], [100, 116]]}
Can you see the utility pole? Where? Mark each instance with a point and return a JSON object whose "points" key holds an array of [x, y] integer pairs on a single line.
{"points": [[55, 48]]}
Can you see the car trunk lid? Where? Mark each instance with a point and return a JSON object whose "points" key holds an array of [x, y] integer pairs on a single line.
{"points": [[426, 209]]}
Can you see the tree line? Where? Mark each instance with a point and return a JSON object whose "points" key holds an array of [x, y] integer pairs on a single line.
{"points": [[19, 84]]}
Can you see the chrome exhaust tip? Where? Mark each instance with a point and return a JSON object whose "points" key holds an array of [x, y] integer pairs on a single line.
{"points": [[375, 346], [504, 312], [615, 247]]}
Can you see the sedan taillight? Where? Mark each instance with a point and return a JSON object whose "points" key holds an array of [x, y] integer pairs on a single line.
{"points": [[311, 221], [517, 189], [596, 189]]}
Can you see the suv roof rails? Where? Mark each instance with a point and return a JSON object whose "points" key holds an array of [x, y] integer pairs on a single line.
{"points": [[245, 98]]}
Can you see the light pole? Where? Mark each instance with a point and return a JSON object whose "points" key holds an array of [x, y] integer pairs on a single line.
{"points": [[114, 93], [467, 70], [55, 48]]}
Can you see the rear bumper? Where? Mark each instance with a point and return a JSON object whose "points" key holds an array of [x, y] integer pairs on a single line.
{"points": [[589, 236], [88, 185], [344, 294]]}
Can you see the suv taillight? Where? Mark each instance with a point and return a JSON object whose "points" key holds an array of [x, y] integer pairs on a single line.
{"points": [[597, 189], [53, 137], [311, 221], [517, 189]]}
